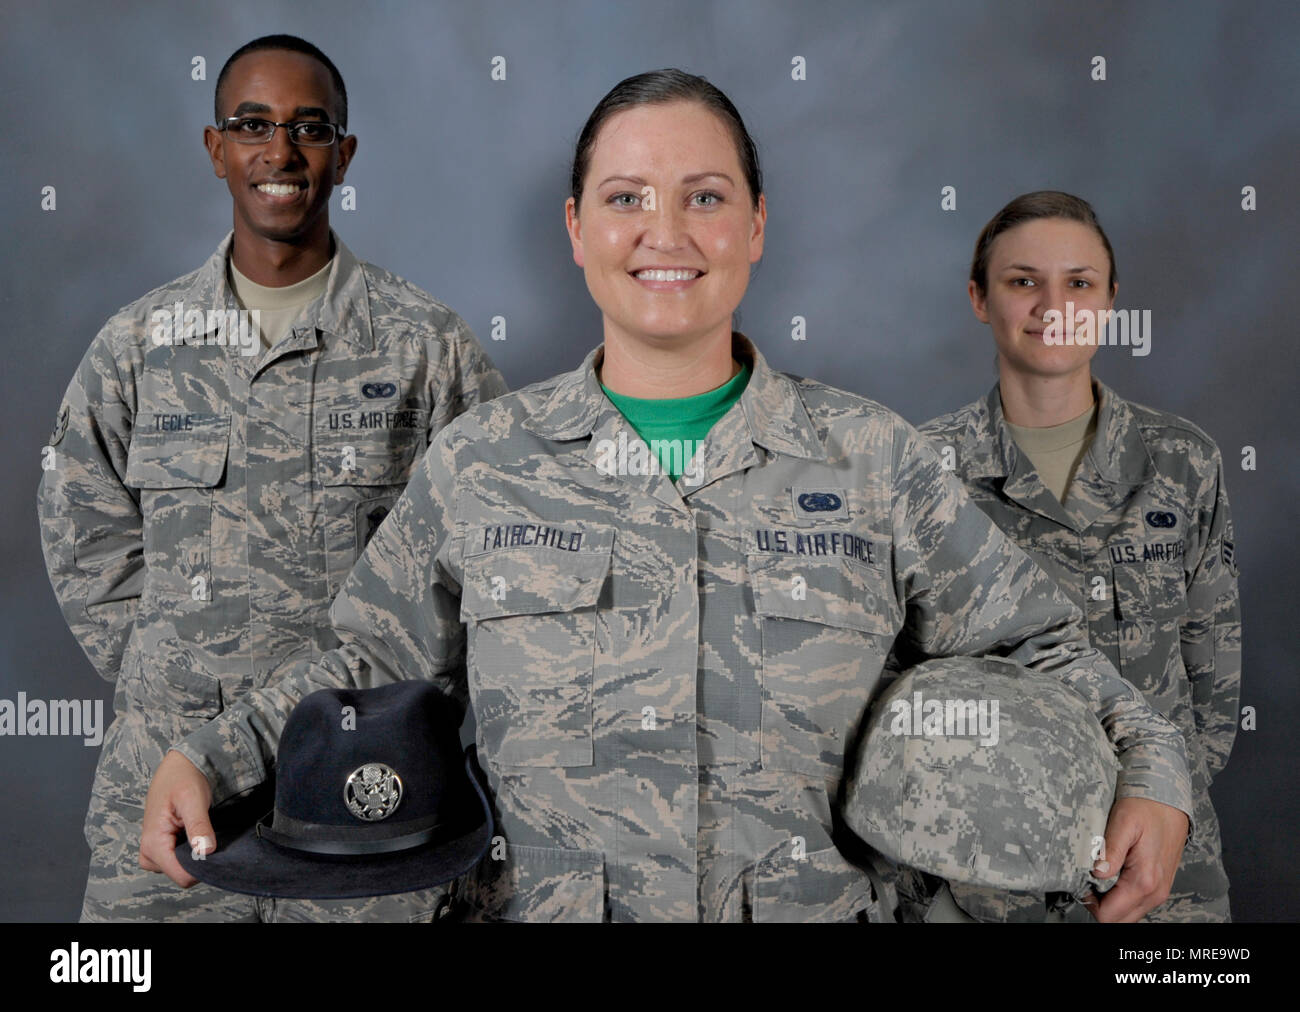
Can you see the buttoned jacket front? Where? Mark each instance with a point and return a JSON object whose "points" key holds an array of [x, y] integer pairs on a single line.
{"points": [[205, 505]]}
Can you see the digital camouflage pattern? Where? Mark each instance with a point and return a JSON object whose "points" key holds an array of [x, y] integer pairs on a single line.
{"points": [[1143, 544], [1021, 808], [669, 681], [205, 507]]}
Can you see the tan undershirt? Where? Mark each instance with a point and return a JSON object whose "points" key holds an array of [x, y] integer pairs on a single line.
{"points": [[277, 308], [1056, 450]]}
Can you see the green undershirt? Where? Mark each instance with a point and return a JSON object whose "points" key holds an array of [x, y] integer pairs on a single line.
{"points": [[661, 421]]}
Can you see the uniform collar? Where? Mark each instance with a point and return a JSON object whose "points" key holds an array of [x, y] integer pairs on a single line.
{"points": [[988, 448], [344, 310], [772, 414], [1118, 451], [1116, 460]]}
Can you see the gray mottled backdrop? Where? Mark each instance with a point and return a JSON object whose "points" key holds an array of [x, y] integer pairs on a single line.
{"points": [[460, 188]]}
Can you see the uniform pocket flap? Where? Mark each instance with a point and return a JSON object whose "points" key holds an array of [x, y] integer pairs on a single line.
{"points": [[176, 689], [1144, 592], [368, 457], [540, 568], [821, 887], [830, 592], [191, 454], [543, 884]]}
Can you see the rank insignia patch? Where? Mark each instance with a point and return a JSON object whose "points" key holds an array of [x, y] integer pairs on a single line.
{"points": [[60, 426]]}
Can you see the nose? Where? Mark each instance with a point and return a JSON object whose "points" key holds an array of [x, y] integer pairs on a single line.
{"points": [[280, 150], [665, 226], [1052, 295]]}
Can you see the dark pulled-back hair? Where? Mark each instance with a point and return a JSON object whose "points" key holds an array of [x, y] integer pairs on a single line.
{"points": [[292, 44], [659, 86], [1031, 207]]}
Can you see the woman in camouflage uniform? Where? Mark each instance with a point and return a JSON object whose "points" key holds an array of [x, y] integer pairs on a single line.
{"points": [[1125, 506]]}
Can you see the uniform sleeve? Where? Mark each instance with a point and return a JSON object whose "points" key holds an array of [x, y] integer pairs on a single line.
{"points": [[467, 377], [970, 591], [397, 619], [1210, 631], [91, 527]]}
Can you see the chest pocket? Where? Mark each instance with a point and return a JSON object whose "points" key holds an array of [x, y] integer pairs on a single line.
{"points": [[361, 473], [1150, 600], [826, 628], [176, 472], [530, 609]]}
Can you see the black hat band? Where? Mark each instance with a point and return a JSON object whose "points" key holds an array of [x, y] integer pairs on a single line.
{"points": [[349, 840]]}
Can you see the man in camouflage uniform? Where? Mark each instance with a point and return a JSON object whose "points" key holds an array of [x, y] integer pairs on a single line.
{"points": [[205, 504], [669, 679], [1143, 544]]}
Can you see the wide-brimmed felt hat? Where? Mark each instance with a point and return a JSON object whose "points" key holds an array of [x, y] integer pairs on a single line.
{"points": [[373, 795]]}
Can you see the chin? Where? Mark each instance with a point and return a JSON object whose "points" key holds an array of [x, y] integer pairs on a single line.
{"points": [[283, 233], [1051, 370]]}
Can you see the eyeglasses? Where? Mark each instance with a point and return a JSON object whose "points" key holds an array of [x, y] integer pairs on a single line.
{"points": [[255, 130]]}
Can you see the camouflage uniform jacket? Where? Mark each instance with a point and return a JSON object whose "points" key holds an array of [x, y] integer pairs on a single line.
{"points": [[1143, 545], [668, 680], [205, 505]]}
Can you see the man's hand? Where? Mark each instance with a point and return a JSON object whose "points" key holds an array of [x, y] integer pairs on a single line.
{"points": [[178, 801], [1144, 840]]}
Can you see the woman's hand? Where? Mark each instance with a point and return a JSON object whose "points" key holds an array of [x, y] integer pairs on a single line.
{"points": [[1145, 839]]}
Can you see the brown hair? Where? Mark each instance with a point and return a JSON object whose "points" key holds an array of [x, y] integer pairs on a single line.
{"points": [[658, 86], [1031, 207]]}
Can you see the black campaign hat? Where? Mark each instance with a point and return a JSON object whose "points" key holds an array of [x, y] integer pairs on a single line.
{"points": [[372, 796]]}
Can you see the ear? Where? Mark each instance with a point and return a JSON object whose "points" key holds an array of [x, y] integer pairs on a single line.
{"points": [[760, 226], [214, 141], [347, 151], [978, 302], [574, 227]]}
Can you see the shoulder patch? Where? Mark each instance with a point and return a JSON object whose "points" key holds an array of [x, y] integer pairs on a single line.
{"points": [[60, 426]]}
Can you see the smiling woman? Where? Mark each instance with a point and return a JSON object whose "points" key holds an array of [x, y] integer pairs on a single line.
{"points": [[668, 674], [667, 230]]}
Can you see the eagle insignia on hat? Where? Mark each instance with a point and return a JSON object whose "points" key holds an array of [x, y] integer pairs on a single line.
{"points": [[373, 792]]}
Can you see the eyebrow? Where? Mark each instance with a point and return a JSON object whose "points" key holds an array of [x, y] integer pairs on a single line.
{"points": [[1035, 270], [695, 177], [302, 110]]}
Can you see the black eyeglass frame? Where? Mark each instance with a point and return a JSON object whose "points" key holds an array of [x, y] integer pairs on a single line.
{"points": [[292, 126]]}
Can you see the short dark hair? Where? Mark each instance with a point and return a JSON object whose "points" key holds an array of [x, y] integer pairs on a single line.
{"points": [[292, 44], [1031, 207], [658, 86]]}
